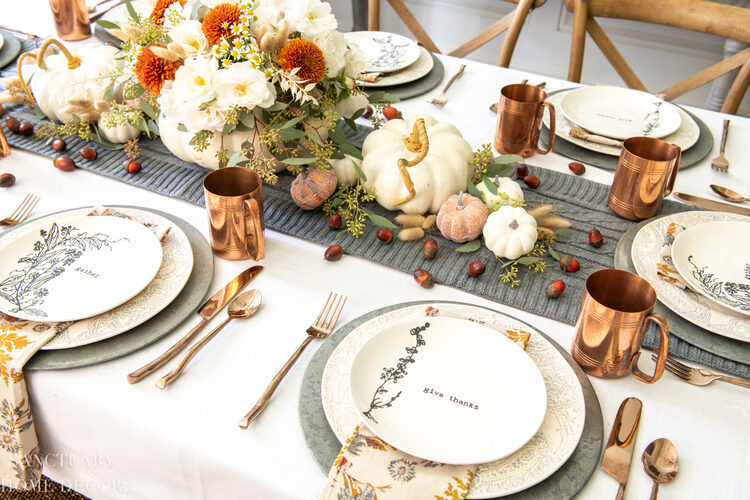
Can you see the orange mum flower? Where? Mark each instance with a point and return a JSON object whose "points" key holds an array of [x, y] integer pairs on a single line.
{"points": [[219, 20], [157, 15], [152, 71], [306, 56]]}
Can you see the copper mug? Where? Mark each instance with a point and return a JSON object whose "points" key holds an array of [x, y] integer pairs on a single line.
{"points": [[71, 19], [519, 120], [616, 309], [234, 200], [645, 174]]}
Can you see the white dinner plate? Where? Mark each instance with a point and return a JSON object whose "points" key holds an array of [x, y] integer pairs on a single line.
{"points": [[448, 390], [420, 68], [685, 136], [384, 52], [691, 305], [2, 40], [620, 113], [539, 458], [714, 258], [76, 267]]}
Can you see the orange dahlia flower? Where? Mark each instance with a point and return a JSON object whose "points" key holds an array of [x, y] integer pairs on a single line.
{"points": [[152, 71], [305, 55], [157, 15], [218, 22]]}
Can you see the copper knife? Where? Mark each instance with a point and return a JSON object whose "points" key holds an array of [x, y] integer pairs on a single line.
{"points": [[206, 311], [711, 204], [618, 454]]}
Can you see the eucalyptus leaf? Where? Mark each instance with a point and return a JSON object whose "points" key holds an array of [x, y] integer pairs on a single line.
{"points": [[109, 94], [38, 112], [314, 137], [133, 14], [490, 186], [499, 169], [108, 25], [564, 231], [472, 189], [360, 172], [247, 119], [154, 127], [379, 220], [148, 109], [226, 129], [351, 151], [525, 261], [233, 158], [181, 127], [505, 159], [471, 246], [294, 121], [290, 134], [298, 161], [337, 135], [194, 12], [277, 106], [358, 113], [553, 254], [352, 125]]}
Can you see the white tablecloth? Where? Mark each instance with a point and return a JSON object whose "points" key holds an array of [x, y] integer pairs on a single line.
{"points": [[108, 439]]}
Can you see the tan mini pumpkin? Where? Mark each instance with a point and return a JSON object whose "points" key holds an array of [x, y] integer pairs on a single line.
{"points": [[310, 189], [462, 217]]}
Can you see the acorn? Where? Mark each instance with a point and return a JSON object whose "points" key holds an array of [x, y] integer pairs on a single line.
{"points": [[88, 153], [2, 110], [424, 278], [569, 264], [7, 180], [429, 248], [577, 168], [475, 268], [368, 112], [59, 145], [13, 124], [334, 221], [522, 170], [333, 253], [390, 113], [595, 238], [64, 163], [384, 235], [555, 289], [26, 129], [132, 166], [531, 180]]}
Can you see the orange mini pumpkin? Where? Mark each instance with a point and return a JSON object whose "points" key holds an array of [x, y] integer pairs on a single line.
{"points": [[310, 189], [462, 217]]}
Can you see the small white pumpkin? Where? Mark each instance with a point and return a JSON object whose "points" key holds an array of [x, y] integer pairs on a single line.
{"points": [[119, 134], [344, 169], [441, 173], [508, 192], [510, 232]]}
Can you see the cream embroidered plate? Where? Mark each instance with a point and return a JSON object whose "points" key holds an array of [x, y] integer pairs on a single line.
{"points": [[692, 306], [75, 267], [539, 458], [420, 68], [714, 258], [620, 113], [685, 136], [384, 52]]}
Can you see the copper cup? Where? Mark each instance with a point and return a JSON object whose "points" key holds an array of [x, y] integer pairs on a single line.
{"points": [[71, 19], [519, 120], [615, 312], [645, 174], [234, 200]]}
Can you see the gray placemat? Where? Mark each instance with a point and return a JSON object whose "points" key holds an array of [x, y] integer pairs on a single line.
{"points": [[10, 51], [417, 87], [181, 308], [324, 446], [686, 340]]}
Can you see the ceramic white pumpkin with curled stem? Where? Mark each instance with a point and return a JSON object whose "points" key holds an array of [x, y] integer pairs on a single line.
{"points": [[510, 232], [441, 173], [509, 192]]}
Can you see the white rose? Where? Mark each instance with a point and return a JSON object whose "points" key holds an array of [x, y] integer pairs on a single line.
{"points": [[192, 88], [333, 45], [210, 4], [347, 107], [269, 12], [354, 61], [310, 17], [189, 36], [243, 85]]}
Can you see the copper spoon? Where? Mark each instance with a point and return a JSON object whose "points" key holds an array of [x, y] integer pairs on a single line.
{"points": [[244, 306], [660, 462], [729, 194]]}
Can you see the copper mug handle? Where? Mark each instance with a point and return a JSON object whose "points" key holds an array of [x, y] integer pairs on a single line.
{"points": [[551, 140], [254, 239], [673, 174], [661, 321]]}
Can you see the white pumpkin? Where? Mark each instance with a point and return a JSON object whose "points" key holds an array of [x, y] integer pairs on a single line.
{"points": [[119, 134], [439, 175], [54, 83], [505, 186], [510, 232], [344, 169]]}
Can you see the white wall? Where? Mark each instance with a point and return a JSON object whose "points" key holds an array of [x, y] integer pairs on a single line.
{"points": [[660, 55]]}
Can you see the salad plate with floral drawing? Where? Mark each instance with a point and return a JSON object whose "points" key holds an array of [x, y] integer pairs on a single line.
{"points": [[75, 268], [448, 390], [384, 52], [620, 113], [714, 259]]}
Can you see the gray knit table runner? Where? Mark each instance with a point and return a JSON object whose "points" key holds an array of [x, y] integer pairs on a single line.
{"points": [[581, 201]]}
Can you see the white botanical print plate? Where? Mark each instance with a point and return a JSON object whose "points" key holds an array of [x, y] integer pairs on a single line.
{"points": [[384, 52], [689, 304], [540, 457]]}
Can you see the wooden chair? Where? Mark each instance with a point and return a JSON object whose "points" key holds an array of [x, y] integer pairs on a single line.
{"points": [[512, 23], [696, 15]]}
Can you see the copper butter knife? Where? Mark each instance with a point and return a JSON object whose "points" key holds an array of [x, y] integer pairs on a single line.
{"points": [[206, 311], [619, 451], [711, 204]]}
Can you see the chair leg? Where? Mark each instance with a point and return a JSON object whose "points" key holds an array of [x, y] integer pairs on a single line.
{"points": [[373, 15], [483, 37], [737, 90], [411, 22], [578, 40], [509, 43], [613, 56]]}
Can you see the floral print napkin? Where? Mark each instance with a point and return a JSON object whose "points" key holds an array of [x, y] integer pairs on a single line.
{"points": [[20, 459], [665, 268]]}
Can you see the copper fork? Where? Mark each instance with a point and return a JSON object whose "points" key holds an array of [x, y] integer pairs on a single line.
{"points": [[720, 163], [697, 376], [22, 211], [320, 329], [440, 99]]}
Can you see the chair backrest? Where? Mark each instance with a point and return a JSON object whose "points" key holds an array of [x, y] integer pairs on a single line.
{"points": [[696, 15], [512, 23]]}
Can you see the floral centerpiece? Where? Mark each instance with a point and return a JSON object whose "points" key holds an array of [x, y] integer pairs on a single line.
{"points": [[256, 83]]}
